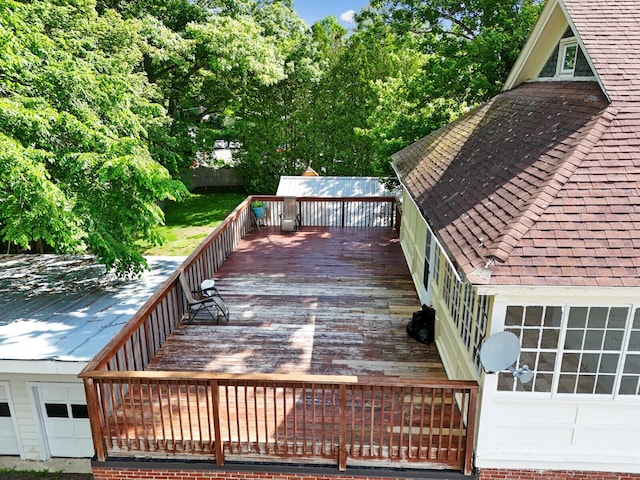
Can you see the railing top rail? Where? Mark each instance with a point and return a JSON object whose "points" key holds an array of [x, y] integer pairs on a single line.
{"points": [[326, 199], [271, 378], [232, 377], [118, 340]]}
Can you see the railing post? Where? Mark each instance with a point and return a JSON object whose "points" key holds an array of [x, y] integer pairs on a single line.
{"points": [[215, 397], [471, 428], [93, 407], [342, 448]]}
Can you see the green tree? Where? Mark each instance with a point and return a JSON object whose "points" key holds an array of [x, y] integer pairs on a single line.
{"points": [[471, 45], [75, 171], [271, 117], [461, 54]]}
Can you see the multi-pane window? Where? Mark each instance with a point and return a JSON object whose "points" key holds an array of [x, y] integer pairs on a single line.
{"points": [[576, 350], [469, 311], [468, 307], [454, 302], [480, 330], [436, 267], [539, 330], [427, 260], [592, 349], [630, 381]]}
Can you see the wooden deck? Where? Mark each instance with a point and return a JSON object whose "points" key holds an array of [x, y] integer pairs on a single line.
{"points": [[329, 301], [314, 366]]}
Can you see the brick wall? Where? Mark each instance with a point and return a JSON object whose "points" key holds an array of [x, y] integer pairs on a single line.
{"points": [[503, 474]]}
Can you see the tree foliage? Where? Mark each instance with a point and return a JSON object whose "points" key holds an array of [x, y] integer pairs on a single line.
{"points": [[75, 169], [102, 101]]}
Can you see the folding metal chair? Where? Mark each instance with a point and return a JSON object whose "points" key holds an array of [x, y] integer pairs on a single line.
{"points": [[206, 300]]}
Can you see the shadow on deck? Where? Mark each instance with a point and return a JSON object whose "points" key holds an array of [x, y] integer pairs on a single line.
{"points": [[325, 301]]}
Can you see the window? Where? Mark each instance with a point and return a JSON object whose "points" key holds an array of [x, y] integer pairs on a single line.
{"points": [[567, 57], [436, 267], [590, 350], [79, 411], [480, 331], [567, 60], [56, 410], [538, 328], [427, 260], [469, 311], [630, 381], [61, 410], [468, 307], [4, 409]]}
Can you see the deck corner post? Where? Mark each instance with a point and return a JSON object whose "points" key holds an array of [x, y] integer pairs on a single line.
{"points": [[342, 449], [93, 406], [215, 397], [471, 428]]}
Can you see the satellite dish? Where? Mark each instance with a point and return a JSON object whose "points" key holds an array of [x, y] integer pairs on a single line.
{"points": [[500, 351]]}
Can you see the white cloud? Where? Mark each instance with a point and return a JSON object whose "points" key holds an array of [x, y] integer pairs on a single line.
{"points": [[348, 16]]}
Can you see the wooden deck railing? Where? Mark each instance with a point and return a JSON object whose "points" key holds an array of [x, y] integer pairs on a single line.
{"points": [[337, 212], [266, 417], [270, 417]]}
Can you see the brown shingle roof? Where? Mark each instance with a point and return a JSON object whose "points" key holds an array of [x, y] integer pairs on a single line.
{"points": [[542, 183], [610, 31], [538, 180]]}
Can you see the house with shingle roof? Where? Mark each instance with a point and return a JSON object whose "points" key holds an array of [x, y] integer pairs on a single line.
{"points": [[524, 216]]}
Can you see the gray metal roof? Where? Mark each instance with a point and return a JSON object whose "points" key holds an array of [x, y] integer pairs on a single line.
{"points": [[290, 186], [61, 307]]}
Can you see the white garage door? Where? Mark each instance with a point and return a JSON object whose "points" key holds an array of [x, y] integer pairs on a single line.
{"points": [[64, 412], [8, 439]]}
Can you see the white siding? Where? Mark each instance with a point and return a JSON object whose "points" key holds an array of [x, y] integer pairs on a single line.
{"points": [[543, 430], [521, 431], [412, 238]]}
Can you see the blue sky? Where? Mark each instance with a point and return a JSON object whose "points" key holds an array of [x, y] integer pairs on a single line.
{"points": [[314, 10]]}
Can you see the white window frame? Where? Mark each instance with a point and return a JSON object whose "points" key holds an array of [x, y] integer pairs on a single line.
{"points": [[565, 45], [631, 325]]}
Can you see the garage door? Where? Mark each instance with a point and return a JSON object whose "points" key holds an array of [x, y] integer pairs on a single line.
{"points": [[8, 439], [66, 423]]}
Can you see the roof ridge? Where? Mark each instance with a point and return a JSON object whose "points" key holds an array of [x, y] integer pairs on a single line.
{"points": [[520, 224]]}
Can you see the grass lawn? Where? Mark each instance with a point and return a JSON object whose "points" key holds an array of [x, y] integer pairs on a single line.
{"points": [[188, 222]]}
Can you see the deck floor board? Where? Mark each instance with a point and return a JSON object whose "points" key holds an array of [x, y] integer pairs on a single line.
{"points": [[318, 301]]}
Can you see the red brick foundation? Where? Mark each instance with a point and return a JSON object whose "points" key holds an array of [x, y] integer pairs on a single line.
{"points": [[141, 471], [503, 474], [132, 474]]}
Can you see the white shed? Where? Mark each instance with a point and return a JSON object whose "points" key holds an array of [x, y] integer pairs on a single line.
{"points": [[56, 313], [318, 186]]}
